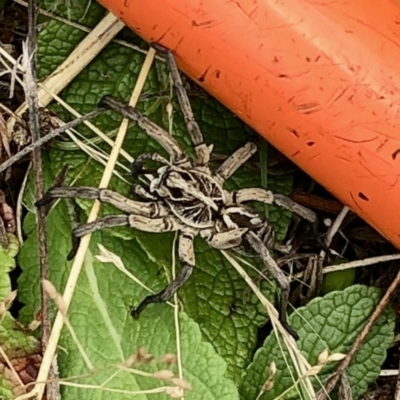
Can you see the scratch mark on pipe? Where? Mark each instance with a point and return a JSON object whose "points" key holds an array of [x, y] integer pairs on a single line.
{"points": [[356, 141], [395, 154]]}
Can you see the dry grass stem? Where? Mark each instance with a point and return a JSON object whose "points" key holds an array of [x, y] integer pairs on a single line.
{"points": [[87, 50], [84, 244]]}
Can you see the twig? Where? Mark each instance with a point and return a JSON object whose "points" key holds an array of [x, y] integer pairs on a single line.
{"points": [[85, 52], [70, 286], [48, 137], [340, 267], [336, 225], [360, 338], [34, 125], [361, 263], [334, 228]]}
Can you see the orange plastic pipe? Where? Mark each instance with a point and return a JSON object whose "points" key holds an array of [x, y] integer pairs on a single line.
{"points": [[319, 80]]}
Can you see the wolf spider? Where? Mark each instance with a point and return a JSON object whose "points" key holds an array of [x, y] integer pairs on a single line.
{"points": [[185, 195]]}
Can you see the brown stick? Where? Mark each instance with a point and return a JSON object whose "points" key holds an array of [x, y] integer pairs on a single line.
{"points": [[34, 125]]}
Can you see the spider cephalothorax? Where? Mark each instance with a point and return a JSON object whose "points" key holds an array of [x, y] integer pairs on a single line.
{"points": [[185, 195], [193, 196]]}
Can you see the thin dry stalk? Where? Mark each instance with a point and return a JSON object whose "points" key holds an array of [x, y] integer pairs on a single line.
{"points": [[8, 362], [31, 93], [87, 50], [84, 244], [176, 314], [43, 140], [83, 28]]}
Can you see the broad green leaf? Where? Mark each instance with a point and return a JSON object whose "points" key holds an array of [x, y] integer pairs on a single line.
{"points": [[100, 317], [216, 297], [332, 322]]}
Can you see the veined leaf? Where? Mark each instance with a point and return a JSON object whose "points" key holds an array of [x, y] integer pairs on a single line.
{"points": [[330, 323], [215, 297]]}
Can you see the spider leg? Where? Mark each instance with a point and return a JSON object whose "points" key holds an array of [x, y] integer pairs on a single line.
{"points": [[106, 222], [202, 151], [151, 209], [145, 224], [283, 283], [226, 240], [267, 197], [291, 205], [252, 194], [305, 213], [186, 255], [143, 193], [234, 161], [154, 131], [139, 222], [137, 165]]}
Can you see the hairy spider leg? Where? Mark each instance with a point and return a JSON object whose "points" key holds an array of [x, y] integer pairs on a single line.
{"points": [[305, 213], [187, 257], [110, 221], [291, 205], [144, 193], [267, 197], [234, 161], [226, 240], [283, 283], [154, 131], [252, 194], [139, 222], [146, 209], [137, 165], [166, 224], [202, 152]]}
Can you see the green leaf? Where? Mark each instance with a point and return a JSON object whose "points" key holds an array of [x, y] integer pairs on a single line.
{"points": [[215, 297], [338, 280], [332, 322], [100, 316], [7, 263]]}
